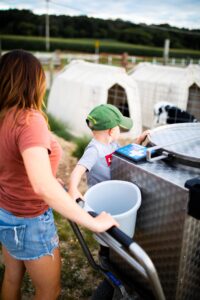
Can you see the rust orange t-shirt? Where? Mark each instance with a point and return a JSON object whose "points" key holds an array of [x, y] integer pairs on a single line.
{"points": [[16, 193]]}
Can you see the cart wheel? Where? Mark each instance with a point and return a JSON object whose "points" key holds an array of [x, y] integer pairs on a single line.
{"points": [[104, 291]]}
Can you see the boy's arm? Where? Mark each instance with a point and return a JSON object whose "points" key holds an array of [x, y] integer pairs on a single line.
{"points": [[74, 181], [86, 162], [141, 137]]}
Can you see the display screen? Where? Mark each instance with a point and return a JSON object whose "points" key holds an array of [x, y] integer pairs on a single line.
{"points": [[133, 151]]}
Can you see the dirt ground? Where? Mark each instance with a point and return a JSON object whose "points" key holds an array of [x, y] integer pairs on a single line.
{"points": [[67, 163]]}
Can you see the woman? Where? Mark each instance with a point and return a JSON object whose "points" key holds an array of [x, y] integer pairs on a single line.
{"points": [[29, 157]]}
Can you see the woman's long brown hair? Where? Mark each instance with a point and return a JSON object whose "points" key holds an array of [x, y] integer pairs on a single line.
{"points": [[22, 82]]}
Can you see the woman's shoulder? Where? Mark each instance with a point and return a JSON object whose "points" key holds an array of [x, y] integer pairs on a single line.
{"points": [[21, 117], [30, 116], [31, 113]]}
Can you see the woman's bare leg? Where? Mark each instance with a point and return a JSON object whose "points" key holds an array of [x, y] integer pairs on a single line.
{"points": [[45, 275], [13, 276]]}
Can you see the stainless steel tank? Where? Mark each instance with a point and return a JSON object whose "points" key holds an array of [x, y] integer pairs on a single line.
{"points": [[168, 222]]}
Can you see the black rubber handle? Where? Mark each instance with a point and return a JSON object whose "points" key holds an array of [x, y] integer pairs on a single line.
{"points": [[80, 202], [194, 195], [116, 233]]}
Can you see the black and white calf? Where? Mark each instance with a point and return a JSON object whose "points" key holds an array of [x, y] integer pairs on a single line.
{"points": [[167, 113]]}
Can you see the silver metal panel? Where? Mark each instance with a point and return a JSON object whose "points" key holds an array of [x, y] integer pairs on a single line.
{"points": [[189, 267], [163, 227], [175, 173]]}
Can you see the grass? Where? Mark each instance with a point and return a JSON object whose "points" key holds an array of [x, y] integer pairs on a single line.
{"points": [[81, 143], [76, 273], [62, 130], [111, 46], [87, 41], [59, 128]]}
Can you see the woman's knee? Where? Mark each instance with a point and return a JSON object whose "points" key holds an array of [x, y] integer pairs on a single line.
{"points": [[14, 269], [50, 293], [45, 275], [57, 291]]}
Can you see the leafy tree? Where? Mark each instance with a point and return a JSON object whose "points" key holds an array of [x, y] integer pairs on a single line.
{"points": [[24, 22], [27, 28], [136, 36]]}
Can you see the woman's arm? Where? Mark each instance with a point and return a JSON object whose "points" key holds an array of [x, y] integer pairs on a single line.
{"points": [[45, 185]]}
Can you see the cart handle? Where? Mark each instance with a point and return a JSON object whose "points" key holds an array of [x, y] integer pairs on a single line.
{"points": [[116, 233], [140, 255]]}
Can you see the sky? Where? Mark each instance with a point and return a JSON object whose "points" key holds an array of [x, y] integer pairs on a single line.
{"points": [[179, 13]]}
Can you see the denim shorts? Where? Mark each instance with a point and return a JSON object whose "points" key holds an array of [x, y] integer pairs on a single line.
{"points": [[28, 238]]}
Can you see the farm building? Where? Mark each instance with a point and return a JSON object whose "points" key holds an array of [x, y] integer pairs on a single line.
{"points": [[83, 85], [156, 83]]}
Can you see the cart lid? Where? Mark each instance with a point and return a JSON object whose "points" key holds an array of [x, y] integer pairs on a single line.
{"points": [[181, 140]]}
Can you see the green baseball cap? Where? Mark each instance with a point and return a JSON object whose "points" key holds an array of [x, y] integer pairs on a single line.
{"points": [[107, 116]]}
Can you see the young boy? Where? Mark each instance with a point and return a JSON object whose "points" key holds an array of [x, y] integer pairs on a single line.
{"points": [[105, 122]]}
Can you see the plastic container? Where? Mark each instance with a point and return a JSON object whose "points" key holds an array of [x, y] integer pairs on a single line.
{"points": [[119, 198]]}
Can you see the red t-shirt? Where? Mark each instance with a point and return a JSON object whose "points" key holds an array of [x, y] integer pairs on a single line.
{"points": [[16, 192]]}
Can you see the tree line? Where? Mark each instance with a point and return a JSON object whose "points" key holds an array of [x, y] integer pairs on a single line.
{"points": [[25, 22]]}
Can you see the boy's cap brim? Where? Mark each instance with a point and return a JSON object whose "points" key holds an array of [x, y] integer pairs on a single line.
{"points": [[126, 123], [107, 116]]}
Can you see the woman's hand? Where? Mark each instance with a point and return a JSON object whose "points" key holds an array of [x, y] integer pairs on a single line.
{"points": [[104, 221]]}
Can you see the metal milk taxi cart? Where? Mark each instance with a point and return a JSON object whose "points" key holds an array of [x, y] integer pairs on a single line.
{"points": [[168, 221], [162, 260]]}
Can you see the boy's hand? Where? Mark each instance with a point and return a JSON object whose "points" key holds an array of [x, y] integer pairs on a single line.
{"points": [[75, 194], [142, 137]]}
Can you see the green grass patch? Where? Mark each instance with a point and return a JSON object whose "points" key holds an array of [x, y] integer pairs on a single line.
{"points": [[88, 45], [81, 143], [76, 272], [59, 128]]}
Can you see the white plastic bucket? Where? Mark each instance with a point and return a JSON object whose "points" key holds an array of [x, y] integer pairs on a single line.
{"points": [[119, 198]]}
